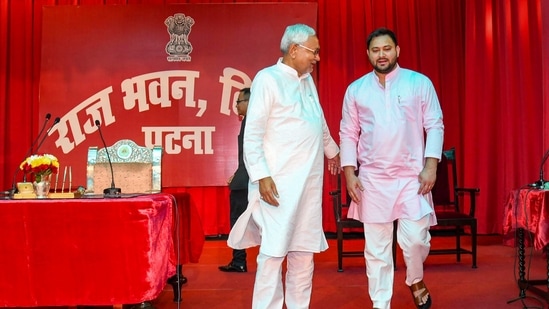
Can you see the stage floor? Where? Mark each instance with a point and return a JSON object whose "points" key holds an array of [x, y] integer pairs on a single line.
{"points": [[452, 284]]}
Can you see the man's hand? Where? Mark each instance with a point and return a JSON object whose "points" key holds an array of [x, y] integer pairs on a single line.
{"points": [[354, 187], [334, 165], [428, 176], [267, 191]]}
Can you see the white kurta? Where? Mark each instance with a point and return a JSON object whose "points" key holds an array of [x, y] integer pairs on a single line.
{"points": [[286, 137], [383, 129]]}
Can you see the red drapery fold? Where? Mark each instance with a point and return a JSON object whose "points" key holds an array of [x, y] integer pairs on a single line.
{"points": [[482, 56], [502, 129]]}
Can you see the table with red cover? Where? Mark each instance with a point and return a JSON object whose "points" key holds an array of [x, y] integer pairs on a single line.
{"points": [[526, 223], [85, 251], [528, 209]]}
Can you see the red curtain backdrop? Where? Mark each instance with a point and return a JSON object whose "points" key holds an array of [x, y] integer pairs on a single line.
{"points": [[487, 60]]}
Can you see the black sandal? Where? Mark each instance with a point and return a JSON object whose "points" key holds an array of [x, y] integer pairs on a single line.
{"points": [[418, 300]]}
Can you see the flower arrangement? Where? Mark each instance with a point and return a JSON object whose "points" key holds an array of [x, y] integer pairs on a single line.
{"points": [[40, 166]]}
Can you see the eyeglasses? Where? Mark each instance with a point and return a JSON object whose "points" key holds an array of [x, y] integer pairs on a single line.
{"points": [[238, 101], [314, 51]]}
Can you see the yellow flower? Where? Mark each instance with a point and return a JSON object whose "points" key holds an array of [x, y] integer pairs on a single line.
{"points": [[40, 165]]}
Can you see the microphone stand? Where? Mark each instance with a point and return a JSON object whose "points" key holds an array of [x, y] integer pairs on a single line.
{"points": [[541, 182], [10, 193], [111, 192], [55, 121]]}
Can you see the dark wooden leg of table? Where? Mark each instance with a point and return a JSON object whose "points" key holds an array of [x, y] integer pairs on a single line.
{"points": [[177, 282], [522, 282], [526, 284], [180, 214]]}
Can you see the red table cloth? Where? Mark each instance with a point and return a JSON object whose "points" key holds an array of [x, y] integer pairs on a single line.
{"points": [[528, 209], [85, 251]]}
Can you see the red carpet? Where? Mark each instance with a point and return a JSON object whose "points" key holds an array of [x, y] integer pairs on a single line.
{"points": [[452, 284]]}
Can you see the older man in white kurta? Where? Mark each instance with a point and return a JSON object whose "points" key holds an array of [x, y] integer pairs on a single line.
{"points": [[383, 129], [286, 138]]}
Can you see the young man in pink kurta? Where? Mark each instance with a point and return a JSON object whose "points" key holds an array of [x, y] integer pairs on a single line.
{"points": [[392, 127]]}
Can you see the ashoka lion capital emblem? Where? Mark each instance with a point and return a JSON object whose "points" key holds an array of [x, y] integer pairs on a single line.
{"points": [[179, 27]]}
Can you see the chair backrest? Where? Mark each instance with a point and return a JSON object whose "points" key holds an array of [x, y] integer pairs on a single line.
{"points": [[444, 193], [341, 198], [136, 169], [337, 200]]}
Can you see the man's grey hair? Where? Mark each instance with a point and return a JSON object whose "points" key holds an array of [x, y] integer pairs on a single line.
{"points": [[295, 34]]}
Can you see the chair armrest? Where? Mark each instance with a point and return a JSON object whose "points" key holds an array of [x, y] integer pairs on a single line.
{"points": [[470, 190], [472, 196]]}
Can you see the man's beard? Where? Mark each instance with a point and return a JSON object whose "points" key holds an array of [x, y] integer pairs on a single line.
{"points": [[388, 69]]}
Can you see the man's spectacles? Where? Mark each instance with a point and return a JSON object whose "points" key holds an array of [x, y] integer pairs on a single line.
{"points": [[314, 51], [238, 101]]}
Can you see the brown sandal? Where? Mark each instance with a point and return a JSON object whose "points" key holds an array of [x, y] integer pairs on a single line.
{"points": [[419, 298]]}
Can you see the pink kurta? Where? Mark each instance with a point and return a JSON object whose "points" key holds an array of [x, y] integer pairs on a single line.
{"points": [[388, 126]]}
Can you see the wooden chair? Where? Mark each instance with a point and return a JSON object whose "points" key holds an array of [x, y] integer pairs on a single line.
{"points": [[347, 228], [454, 216], [136, 169]]}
